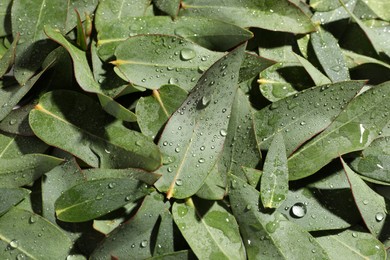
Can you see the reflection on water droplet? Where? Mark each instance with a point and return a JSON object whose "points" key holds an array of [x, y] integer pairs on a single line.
{"points": [[12, 121], [379, 216], [187, 54], [354, 234], [365, 202], [127, 198], [201, 160], [32, 219], [21, 257], [173, 81], [179, 182], [272, 226], [177, 149], [223, 132], [111, 185], [206, 100], [202, 148], [298, 210], [144, 243], [14, 244]]}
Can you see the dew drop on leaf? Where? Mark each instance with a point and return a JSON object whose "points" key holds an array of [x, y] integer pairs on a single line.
{"points": [[144, 243], [14, 244], [111, 185], [298, 210], [379, 216], [173, 81], [206, 100], [32, 220], [187, 54], [179, 182], [223, 132]]}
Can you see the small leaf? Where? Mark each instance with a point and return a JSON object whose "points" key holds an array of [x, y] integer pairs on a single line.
{"points": [[352, 244], [352, 130], [371, 205], [316, 75], [77, 124], [134, 237], [5, 15], [170, 7], [96, 198], [154, 111], [278, 15], [115, 109], [10, 197], [209, 229], [166, 236], [265, 234], [354, 60], [35, 237], [195, 133], [274, 180], [25, 169], [7, 60]]}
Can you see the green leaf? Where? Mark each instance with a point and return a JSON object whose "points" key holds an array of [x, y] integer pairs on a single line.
{"points": [[374, 162], [277, 15], [166, 236], [115, 109], [13, 146], [170, 7], [16, 122], [10, 197], [34, 237], [269, 235], [208, 33], [352, 130], [5, 18], [334, 15], [380, 7], [354, 59], [151, 61], [325, 45], [252, 176], [352, 244], [210, 229], [135, 236], [154, 111], [252, 65], [96, 198], [324, 6], [25, 169], [178, 255], [316, 75], [195, 134], [77, 124], [303, 115], [7, 60], [371, 205], [274, 180]]}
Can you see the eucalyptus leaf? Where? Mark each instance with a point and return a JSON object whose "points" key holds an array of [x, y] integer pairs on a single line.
{"points": [[352, 130], [115, 109], [219, 234], [77, 124], [354, 59], [278, 16], [13, 146], [168, 6], [16, 122], [199, 127], [10, 197], [165, 236], [7, 60], [5, 17]]}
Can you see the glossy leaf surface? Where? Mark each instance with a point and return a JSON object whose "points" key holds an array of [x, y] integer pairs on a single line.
{"points": [[188, 132], [72, 119]]}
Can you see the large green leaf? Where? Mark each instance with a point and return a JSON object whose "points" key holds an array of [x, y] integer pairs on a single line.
{"points": [[133, 238], [301, 116], [353, 130], [195, 134], [279, 15], [210, 229], [92, 199], [10, 197], [274, 180], [352, 244], [325, 45], [209, 33], [77, 124], [25, 169], [155, 60], [26, 235], [154, 111], [269, 235], [371, 205]]}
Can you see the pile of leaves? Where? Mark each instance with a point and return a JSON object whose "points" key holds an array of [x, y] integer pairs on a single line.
{"points": [[168, 129]]}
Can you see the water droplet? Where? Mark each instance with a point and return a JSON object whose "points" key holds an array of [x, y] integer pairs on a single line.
{"points": [[187, 54], [173, 81], [169, 169], [204, 58], [32, 219], [12, 121], [14, 244], [107, 151], [20, 257], [127, 198], [379, 216], [365, 202], [165, 143], [223, 110], [298, 210], [144, 243], [177, 149], [206, 100], [354, 234], [302, 123], [179, 182], [223, 132], [111, 185], [99, 196], [248, 207], [201, 160], [272, 226], [202, 148]]}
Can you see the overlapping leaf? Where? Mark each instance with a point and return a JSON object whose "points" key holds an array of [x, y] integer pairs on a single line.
{"points": [[10, 197]]}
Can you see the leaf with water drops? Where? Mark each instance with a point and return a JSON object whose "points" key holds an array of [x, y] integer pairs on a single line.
{"points": [[134, 237], [5, 18], [13, 146], [267, 235], [354, 60], [352, 130], [25, 169], [301, 116], [374, 162], [371, 205], [10, 197], [380, 8], [170, 7], [324, 6], [274, 180], [276, 15], [316, 75], [16, 122], [208, 33], [77, 124], [334, 15], [92, 199], [194, 135], [209, 228], [325, 45], [352, 243], [252, 65], [155, 60], [26, 235], [7, 60], [166, 235], [154, 111]]}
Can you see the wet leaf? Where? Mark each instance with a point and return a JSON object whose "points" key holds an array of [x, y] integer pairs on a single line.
{"points": [[269, 235], [274, 180], [300, 117], [96, 198], [336, 14], [10, 197], [133, 237], [170, 7], [13, 146], [352, 130], [208, 33], [166, 235], [5, 18], [154, 111], [196, 132], [316, 75], [7, 60], [178, 255], [23, 170], [34, 237], [354, 59], [371, 205], [16, 122], [217, 234], [277, 16], [77, 124]]}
